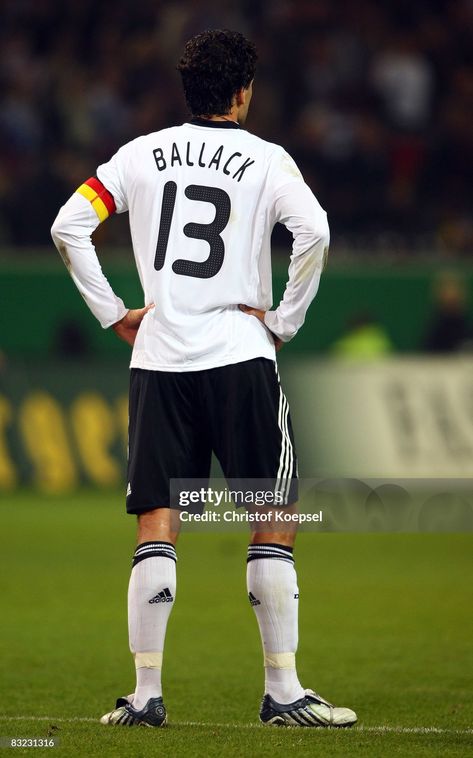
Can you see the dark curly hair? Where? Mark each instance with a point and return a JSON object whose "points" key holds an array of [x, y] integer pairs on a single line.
{"points": [[216, 64]]}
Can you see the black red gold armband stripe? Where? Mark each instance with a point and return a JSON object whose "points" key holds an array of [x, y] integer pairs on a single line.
{"points": [[99, 196]]}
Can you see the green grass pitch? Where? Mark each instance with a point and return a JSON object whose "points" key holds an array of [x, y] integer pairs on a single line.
{"points": [[386, 628]]}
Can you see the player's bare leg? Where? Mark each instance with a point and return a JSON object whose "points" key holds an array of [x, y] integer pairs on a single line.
{"points": [[160, 524], [284, 536], [274, 595]]}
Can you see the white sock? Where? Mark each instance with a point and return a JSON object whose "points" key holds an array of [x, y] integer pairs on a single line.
{"points": [[151, 594], [274, 595]]}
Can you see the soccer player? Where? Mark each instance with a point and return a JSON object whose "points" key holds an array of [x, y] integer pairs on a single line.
{"points": [[203, 198]]}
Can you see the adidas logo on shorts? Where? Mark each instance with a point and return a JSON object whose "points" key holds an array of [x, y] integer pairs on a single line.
{"points": [[162, 597]]}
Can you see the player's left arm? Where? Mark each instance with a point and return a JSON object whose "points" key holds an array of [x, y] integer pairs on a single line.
{"points": [[295, 206], [260, 314], [300, 212]]}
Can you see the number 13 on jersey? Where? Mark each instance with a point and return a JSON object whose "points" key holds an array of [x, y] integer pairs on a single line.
{"points": [[210, 233]]}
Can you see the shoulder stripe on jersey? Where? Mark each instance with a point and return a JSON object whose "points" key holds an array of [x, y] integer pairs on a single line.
{"points": [[99, 196]]}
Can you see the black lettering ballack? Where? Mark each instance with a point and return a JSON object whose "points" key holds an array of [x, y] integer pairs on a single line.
{"points": [[231, 163]]}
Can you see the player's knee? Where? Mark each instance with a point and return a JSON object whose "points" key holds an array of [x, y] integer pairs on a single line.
{"points": [[159, 524], [286, 537]]}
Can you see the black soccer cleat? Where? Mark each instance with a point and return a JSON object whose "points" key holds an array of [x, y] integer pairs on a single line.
{"points": [[311, 710], [153, 714]]}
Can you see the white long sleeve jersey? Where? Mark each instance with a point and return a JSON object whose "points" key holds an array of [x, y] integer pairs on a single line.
{"points": [[202, 199]]}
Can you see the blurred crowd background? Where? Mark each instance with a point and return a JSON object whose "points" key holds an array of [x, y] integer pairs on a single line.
{"points": [[374, 100]]}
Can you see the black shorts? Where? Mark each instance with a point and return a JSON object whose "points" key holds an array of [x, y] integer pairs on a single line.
{"points": [[177, 419]]}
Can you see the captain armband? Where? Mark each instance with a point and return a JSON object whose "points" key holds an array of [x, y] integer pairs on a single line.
{"points": [[100, 198]]}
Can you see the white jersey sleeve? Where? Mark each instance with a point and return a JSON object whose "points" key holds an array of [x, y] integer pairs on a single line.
{"points": [[113, 176], [71, 233], [295, 206]]}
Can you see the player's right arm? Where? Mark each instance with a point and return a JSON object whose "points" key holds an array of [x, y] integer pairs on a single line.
{"points": [[127, 328], [72, 233], [90, 205]]}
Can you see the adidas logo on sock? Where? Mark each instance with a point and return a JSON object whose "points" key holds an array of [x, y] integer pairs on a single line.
{"points": [[162, 597], [253, 600]]}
